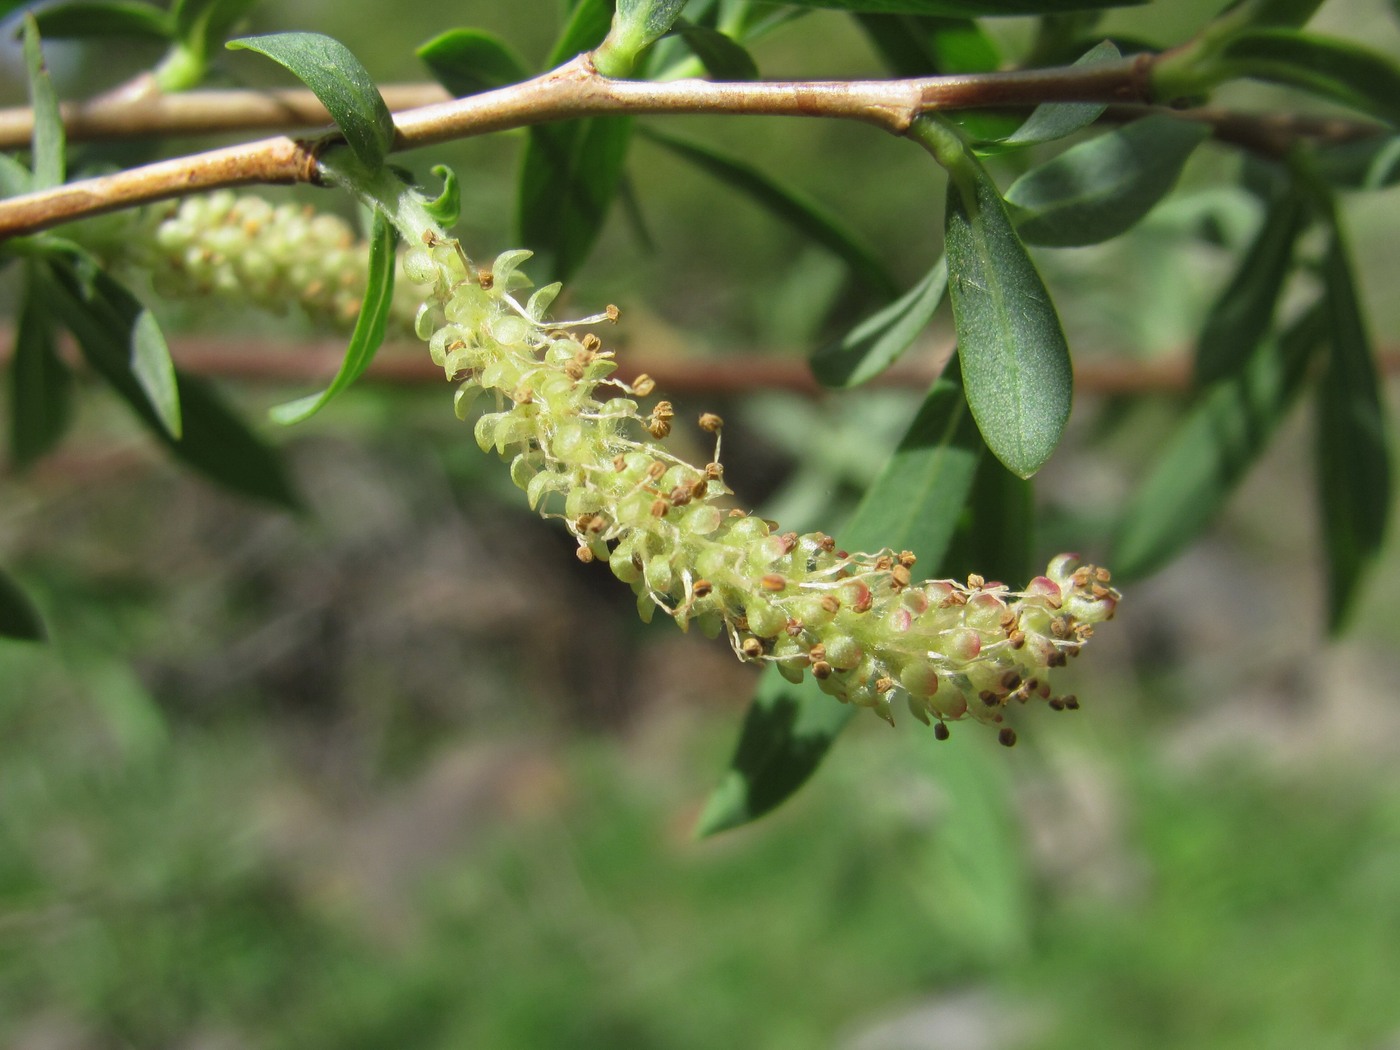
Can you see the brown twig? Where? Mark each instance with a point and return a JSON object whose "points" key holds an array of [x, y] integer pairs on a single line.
{"points": [[575, 90]]}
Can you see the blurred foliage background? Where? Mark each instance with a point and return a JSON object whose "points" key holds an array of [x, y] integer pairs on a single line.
{"points": [[399, 772]]}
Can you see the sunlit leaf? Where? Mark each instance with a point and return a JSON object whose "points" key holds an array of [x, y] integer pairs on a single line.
{"points": [[809, 217], [49, 140], [369, 330], [878, 341], [1353, 449], [1100, 188], [914, 504], [340, 82], [1055, 120], [1212, 449], [468, 61], [1015, 362]]}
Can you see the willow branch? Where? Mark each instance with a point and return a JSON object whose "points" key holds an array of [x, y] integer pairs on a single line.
{"points": [[576, 90]]}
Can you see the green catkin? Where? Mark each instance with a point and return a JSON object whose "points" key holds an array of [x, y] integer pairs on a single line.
{"points": [[586, 451]]}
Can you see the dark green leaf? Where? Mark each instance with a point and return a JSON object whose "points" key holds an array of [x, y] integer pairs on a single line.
{"points": [[109, 18], [204, 22], [995, 535], [1337, 69], [467, 61], [1015, 362], [569, 177], [801, 212], [1278, 12], [1353, 451], [40, 384], [341, 83], [964, 8], [1212, 449], [914, 504], [877, 342], [1366, 164], [369, 326], [722, 57], [213, 440], [1242, 316], [1098, 189], [913, 47], [587, 26], [1055, 120], [49, 138], [19, 619], [447, 206]]}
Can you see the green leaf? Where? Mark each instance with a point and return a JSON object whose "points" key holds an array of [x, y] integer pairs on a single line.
{"points": [[369, 326], [1241, 318], [40, 383], [1367, 164], [154, 371], [49, 138], [468, 61], [913, 47], [722, 56], [802, 213], [964, 8], [1015, 362], [1055, 120], [105, 18], [914, 504], [995, 535], [214, 441], [1278, 12], [1212, 449], [447, 206], [878, 341], [15, 178], [636, 26], [588, 24], [1337, 69], [1098, 189], [19, 619], [341, 83], [1353, 457], [203, 22]]}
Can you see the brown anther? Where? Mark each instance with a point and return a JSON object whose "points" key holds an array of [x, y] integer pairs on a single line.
{"points": [[817, 652], [1032, 684], [989, 698], [1099, 592], [907, 559], [643, 385], [1056, 659], [1101, 574], [1017, 639], [1081, 576], [883, 684], [613, 313], [863, 603], [788, 541], [430, 238], [658, 428], [825, 542], [585, 555], [884, 563], [773, 526], [660, 508], [1071, 702], [655, 469], [619, 462], [794, 627], [735, 512], [523, 396], [1007, 621], [574, 371], [710, 422], [591, 343], [940, 731], [773, 582], [1010, 680], [702, 588], [698, 488], [714, 471], [955, 598], [1007, 737], [486, 279], [899, 577], [752, 648], [1056, 704], [1044, 691], [597, 523], [831, 603], [1060, 627], [680, 496], [741, 623], [821, 669], [975, 582]]}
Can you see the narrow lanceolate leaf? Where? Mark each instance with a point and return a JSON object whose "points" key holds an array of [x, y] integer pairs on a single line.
{"points": [[1055, 120], [49, 139], [1098, 189], [1242, 316], [19, 619], [914, 504], [964, 8], [723, 57], [1337, 69], [342, 84], [105, 18], [1353, 451], [369, 326], [468, 61], [807, 216], [1368, 164], [40, 383], [213, 440], [1212, 449], [1293, 13], [995, 536], [1015, 362], [878, 341]]}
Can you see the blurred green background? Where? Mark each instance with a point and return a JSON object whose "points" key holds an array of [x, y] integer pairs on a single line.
{"points": [[400, 773]]}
